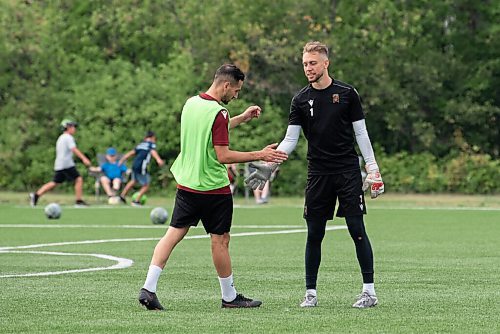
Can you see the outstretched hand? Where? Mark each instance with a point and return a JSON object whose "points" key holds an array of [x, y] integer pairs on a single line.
{"points": [[270, 154]]}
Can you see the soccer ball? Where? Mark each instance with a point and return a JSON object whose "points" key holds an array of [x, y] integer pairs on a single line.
{"points": [[144, 198], [114, 200], [53, 211], [159, 215]]}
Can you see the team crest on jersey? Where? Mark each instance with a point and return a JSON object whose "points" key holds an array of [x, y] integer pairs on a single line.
{"points": [[335, 98], [224, 113]]}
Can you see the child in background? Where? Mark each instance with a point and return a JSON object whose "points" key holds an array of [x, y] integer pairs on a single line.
{"points": [[111, 181], [143, 153]]}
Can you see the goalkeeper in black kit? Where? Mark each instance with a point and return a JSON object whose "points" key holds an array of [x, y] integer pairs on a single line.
{"points": [[329, 113]]}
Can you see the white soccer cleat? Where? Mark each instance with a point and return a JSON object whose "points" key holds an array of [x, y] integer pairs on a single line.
{"points": [[365, 300], [309, 301]]}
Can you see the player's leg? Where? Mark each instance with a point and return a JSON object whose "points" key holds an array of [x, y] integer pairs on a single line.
{"points": [[315, 235], [127, 188], [217, 217], [185, 214], [35, 196], [319, 207], [106, 185], [46, 188], [143, 180], [142, 191], [161, 254], [79, 190], [364, 253], [352, 207]]}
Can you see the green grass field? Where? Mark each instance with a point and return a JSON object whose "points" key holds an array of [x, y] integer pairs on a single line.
{"points": [[437, 268]]}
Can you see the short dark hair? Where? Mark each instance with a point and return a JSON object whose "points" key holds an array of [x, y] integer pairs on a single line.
{"points": [[150, 134], [229, 72]]}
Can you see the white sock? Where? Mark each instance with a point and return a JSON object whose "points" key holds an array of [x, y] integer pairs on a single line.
{"points": [[311, 292], [227, 288], [152, 278], [370, 288]]}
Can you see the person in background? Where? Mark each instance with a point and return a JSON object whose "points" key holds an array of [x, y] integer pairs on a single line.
{"points": [[64, 165], [113, 172], [143, 153]]}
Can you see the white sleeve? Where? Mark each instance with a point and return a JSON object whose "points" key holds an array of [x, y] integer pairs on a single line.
{"points": [[70, 142], [291, 138], [364, 144]]}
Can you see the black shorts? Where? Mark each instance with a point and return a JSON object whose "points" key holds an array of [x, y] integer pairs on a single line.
{"points": [[68, 174], [322, 192], [215, 211]]}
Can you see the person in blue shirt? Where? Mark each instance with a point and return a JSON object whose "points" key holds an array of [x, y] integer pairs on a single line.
{"points": [[143, 153], [113, 172]]}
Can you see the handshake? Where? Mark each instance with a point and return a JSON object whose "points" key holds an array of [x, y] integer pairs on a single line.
{"points": [[263, 172]]}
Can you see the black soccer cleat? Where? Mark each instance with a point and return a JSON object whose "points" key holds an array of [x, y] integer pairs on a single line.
{"points": [[81, 203], [33, 199], [149, 300], [123, 200], [241, 301]]}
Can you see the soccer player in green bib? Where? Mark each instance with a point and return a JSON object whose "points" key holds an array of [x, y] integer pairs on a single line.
{"points": [[203, 191]]}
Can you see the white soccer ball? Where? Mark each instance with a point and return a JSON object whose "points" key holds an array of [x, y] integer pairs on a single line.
{"points": [[114, 200], [53, 211], [158, 215]]}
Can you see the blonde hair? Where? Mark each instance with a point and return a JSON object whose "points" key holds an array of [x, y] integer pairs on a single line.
{"points": [[316, 47]]}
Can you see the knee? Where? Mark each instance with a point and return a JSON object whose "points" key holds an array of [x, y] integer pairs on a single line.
{"points": [[356, 228], [220, 241], [315, 232]]}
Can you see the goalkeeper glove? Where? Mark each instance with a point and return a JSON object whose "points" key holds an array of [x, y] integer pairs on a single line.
{"points": [[260, 176], [374, 181]]}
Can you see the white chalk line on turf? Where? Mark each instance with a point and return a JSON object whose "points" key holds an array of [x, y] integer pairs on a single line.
{"points": [[298, 206], [121, 262], [134, 226]]}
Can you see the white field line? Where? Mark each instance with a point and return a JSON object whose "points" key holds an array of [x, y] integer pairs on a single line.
{"points": [[200, 236], [121, 262], [135, 226], [251, 207]]}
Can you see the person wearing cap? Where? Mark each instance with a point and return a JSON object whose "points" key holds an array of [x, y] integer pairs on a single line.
{"points": [[111, 181], [64, 165], [143, 153]]}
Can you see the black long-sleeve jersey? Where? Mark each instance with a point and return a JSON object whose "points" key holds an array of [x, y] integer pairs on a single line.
{"points": [[326, 117]]}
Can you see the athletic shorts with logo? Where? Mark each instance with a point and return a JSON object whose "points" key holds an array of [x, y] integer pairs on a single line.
{"points": [[214, 210], [68, 174], [322, 192]]}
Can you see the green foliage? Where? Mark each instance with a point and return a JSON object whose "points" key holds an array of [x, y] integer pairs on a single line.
{"points": [[428, 74], [424, 173]]}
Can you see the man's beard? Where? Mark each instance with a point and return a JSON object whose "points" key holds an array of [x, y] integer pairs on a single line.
{"points": [[316, 79]]}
